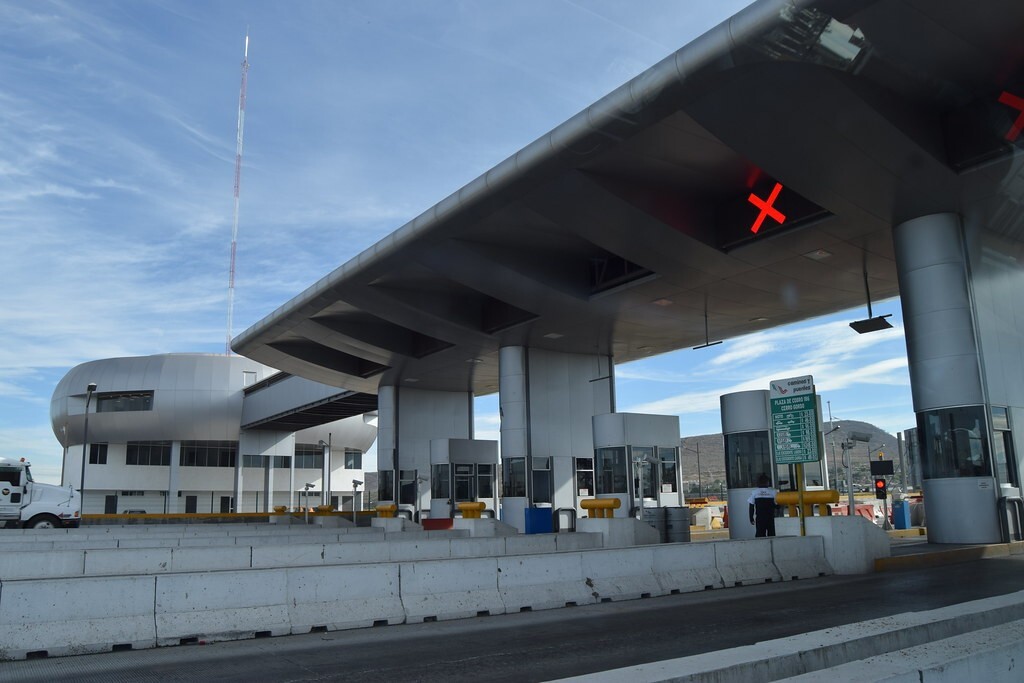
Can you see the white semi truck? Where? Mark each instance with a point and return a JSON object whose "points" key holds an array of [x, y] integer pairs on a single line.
{"points": [[33, 505]]}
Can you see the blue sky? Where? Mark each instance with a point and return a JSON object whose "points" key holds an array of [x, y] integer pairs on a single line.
{"points": [[117, 141]]}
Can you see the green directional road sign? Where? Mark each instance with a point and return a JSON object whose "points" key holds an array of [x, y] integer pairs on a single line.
{"points": [[794, 420]]}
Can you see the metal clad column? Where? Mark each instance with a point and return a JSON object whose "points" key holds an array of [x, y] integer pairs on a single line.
{"points": [[944, 363], [172, 478], [387, 431], [513, 409], [745, 412]]}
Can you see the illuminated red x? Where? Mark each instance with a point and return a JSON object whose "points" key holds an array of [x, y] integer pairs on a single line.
{"points": [[1017, 103], [766, 208]]}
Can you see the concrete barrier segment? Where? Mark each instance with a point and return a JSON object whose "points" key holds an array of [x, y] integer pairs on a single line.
{"points": [[450, 589], [745, 562], [819, 652], [620, 573], [36, 564], [578, 541], [536, 582], [221, 605], [478, 547], [210, 559], [423, 549], [344, 597], [991, 655], [291, 555], [356, 553], [800, 557], [122, 561], [71, 616], [686, 567]]}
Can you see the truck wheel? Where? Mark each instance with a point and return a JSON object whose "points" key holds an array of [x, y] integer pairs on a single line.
{"points": [[42, 522]]}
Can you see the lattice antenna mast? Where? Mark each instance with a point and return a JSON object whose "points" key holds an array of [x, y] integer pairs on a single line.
{"points": [[238, 179]]}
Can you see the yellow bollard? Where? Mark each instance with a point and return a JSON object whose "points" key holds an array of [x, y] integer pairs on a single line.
{"points": [[471, 510], [600, 508], [811, 499], [386, 511]]}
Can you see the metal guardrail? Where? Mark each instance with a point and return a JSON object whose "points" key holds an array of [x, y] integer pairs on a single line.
{"points": [[1004, 523]]}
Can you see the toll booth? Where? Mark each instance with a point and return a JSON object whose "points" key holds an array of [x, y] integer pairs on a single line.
{"points": [[636, 459], [746, 418], [462, 471]]}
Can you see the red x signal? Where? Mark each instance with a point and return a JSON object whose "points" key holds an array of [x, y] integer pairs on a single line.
{"points": [[766, 208], [1017, 103]]}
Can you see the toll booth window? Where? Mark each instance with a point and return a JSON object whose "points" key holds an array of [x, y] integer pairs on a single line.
{"points": [[669, 459], [407, 488], [611, 470], [10, 475], [584, 477], [953, 442], [386, 485], [643, 470], [542, 483], [440, 482], [485, 481], [1002, 447], [513, 475], [747, 456]]}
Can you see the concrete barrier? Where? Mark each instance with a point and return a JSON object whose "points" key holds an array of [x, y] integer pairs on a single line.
{"points": [[427, 549], [221, 605], [686, 567], [799, 557], [338, 598], [529, 544], [210, 559], [126, 562], [478, 547], [454, 589], [620, 574], [578, 541], [745, 562], [536, 582], [852, 544], [75, 616], [293, 555], [35, 564], [356, 553]]}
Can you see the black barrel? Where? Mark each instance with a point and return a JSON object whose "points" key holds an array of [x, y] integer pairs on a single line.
{"points": [[677, 524]]}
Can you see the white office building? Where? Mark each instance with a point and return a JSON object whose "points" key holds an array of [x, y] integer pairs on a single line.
{"points": [[197, 432]]}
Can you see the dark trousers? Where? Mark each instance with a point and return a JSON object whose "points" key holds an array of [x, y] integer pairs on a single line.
{"points": [[764, 526]]}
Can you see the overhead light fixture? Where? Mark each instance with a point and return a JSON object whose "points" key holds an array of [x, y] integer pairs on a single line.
{"points": [[411, 380], [871, 323], [662, 302], [474, 360], [758, 320], [818, 254], [553, 335], [707, 339]]}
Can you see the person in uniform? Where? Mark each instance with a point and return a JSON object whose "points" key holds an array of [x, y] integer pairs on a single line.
{"points": [[761, 507]]}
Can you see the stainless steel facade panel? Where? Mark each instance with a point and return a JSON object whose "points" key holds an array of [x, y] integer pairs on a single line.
{"points": [[745, 411]]}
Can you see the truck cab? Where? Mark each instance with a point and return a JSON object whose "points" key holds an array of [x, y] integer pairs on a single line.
{"points": [[29, 504]]}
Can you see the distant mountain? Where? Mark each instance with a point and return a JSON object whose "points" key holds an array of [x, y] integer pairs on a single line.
{"points": [[712, 454]]}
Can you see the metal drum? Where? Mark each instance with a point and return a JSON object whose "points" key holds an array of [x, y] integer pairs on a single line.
{"points": [[677, 524], [655, 517]]}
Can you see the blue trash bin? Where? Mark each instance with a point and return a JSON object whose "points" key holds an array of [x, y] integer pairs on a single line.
{"points": [[539, 521], [901, 514]]}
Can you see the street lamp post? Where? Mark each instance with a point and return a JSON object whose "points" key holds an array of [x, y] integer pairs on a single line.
{"points": [[85, 439], [355, 498]]}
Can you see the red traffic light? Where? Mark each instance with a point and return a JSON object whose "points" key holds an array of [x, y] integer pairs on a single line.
{"points": [[881, 488]]}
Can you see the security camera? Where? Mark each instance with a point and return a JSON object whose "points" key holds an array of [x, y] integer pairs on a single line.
{"points": [[356, 482]]}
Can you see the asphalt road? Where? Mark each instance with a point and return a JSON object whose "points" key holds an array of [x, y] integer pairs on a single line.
{"points": [[539, 646]]}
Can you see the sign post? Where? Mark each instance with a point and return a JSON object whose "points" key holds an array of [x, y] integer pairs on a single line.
{"points": [[794, 408]]}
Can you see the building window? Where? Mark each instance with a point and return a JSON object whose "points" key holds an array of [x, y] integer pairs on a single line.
{"points": [[953, 442], [485, 481], [309, 456], [386, 485], [119, 402], [97, 454], [208, 453], [148, 453], [440, 481], [513, 478], [133, 493], [353, 459], [252, 461], [669, 458]]}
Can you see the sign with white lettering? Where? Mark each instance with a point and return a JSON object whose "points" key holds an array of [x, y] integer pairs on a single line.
{"points": [[794, 420]]}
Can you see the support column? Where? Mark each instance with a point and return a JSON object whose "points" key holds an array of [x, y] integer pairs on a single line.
{"points": [[746, 421], [238, 488], [172, 478], [945, 364], [548, 400], [408, 419], [268, 483]]}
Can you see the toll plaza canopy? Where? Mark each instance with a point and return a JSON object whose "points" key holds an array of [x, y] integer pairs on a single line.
{"points": [[751, 179]]}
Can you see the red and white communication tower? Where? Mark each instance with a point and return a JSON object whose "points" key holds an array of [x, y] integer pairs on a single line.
{"points": [[238, 179]]}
